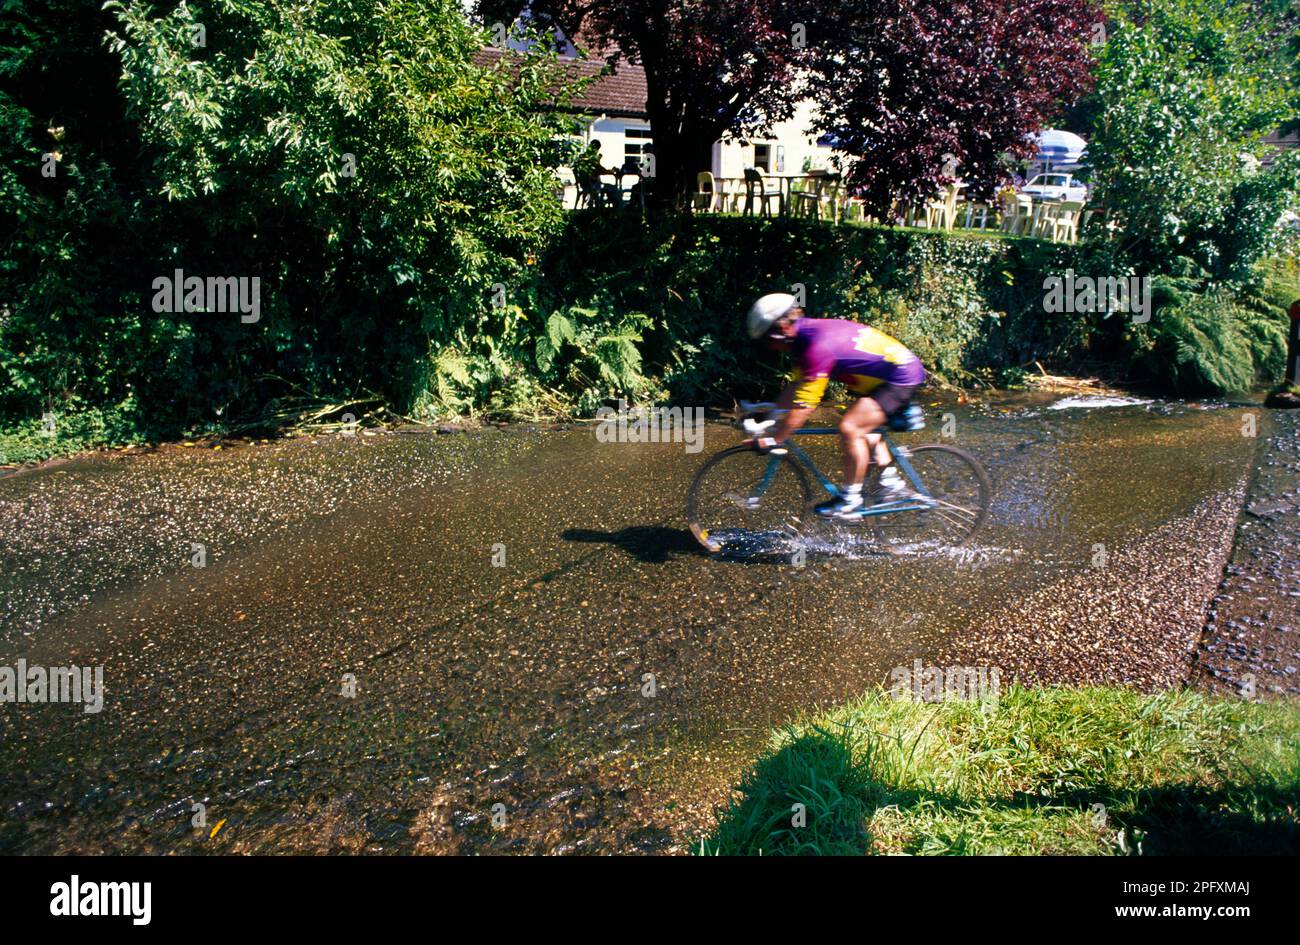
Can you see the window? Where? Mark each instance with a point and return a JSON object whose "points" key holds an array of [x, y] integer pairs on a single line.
{"points": [[636, 141], [770, 158]]}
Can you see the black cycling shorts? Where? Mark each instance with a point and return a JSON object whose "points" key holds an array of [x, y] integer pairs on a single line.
{"points": [[892, 398]]}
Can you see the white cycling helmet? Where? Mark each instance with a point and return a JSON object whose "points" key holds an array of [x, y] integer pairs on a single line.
{"points": [[767, 311]]}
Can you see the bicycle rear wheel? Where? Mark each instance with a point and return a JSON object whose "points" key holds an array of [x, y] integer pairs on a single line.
{"points": [[955, 509], [746, 502]]}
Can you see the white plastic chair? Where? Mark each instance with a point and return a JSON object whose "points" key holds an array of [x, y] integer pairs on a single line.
{"points": [[707, 197], [1065, 221], [758, 187]]}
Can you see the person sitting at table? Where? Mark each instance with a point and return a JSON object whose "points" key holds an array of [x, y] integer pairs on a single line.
{"points": [[588, 170]]}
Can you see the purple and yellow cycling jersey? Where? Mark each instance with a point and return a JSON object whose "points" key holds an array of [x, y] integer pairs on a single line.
{"points": [[827, 349]]}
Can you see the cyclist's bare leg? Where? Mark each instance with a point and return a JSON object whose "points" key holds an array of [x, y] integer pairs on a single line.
{"points": [[858, 441], [876, 442]]}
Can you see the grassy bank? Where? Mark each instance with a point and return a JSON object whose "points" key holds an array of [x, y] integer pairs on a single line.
{"points": [[33, 440], [1045, 771]]}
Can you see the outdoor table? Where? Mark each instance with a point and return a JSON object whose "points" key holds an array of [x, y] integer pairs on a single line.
{"points": [[627, 191], [617, 192], [613, 192], [785, 183], [732, 191]]}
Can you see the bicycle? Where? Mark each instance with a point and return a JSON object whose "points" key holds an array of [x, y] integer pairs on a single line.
{"points": [[742, 499]]}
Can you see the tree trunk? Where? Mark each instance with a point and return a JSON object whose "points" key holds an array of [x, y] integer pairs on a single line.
{"points": [[680, 154]]}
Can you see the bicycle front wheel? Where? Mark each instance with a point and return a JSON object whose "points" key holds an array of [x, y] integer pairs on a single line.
{"points": [[956, 506], [746, 502]]}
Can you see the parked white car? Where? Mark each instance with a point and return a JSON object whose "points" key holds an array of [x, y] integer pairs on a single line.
{"points": [[1055, 187]]}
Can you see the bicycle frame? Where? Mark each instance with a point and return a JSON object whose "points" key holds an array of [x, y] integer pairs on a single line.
{"points": [[886, 508]]}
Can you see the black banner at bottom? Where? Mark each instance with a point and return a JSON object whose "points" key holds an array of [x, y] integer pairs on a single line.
{"points": [[136, 895]]}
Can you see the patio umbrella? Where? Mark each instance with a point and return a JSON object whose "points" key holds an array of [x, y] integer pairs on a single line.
{"points": [[1059, 147]]}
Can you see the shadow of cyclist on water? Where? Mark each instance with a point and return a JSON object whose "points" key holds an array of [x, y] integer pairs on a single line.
{"points": [[653, 544]]}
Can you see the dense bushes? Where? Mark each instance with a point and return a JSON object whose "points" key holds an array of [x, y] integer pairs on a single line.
{"points": [[1208, 342], [353, 159], [620, 307], [945, 296], [617, 306]]}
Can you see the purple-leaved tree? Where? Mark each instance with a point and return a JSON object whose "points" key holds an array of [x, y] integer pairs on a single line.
{"points": [[912, 89]]}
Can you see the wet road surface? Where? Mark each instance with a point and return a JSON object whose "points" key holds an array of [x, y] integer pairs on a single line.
{"points": [[507, 640], [1251, 643]]}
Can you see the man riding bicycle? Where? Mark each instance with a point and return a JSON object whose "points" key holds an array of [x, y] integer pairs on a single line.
{"points": [[878, 368]]}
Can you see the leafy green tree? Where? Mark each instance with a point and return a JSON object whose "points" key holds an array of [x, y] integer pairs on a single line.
{"points": [[384, 188], [355, 157], [71, 222], [1186, 91]]}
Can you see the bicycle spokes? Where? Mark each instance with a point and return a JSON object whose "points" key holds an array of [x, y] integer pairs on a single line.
{"points": [[748, 502], [954, 504]]}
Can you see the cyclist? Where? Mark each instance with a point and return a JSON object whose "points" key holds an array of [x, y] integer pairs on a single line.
{"points": [[878, 368]]}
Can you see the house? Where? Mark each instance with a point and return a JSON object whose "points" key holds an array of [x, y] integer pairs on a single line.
{"points": [[612, 108], [1278, 143], [614, 115]]}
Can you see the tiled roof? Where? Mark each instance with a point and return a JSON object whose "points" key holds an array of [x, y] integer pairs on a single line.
{"points": [[623, 93], [1276, 139]]}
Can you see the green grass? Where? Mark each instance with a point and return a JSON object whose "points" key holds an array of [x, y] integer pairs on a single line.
{"points": [[1044, 771], [33, 440]]}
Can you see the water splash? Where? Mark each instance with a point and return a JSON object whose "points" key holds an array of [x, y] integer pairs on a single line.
{"points": [[963, 557], [1089, 403], [853, 544]]}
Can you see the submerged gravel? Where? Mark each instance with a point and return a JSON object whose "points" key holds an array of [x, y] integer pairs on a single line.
{"points": [[1129, 618]]}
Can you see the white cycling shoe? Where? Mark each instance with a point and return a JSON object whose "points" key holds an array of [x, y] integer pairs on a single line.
{"points": [[892, 487], [843, 506]]}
